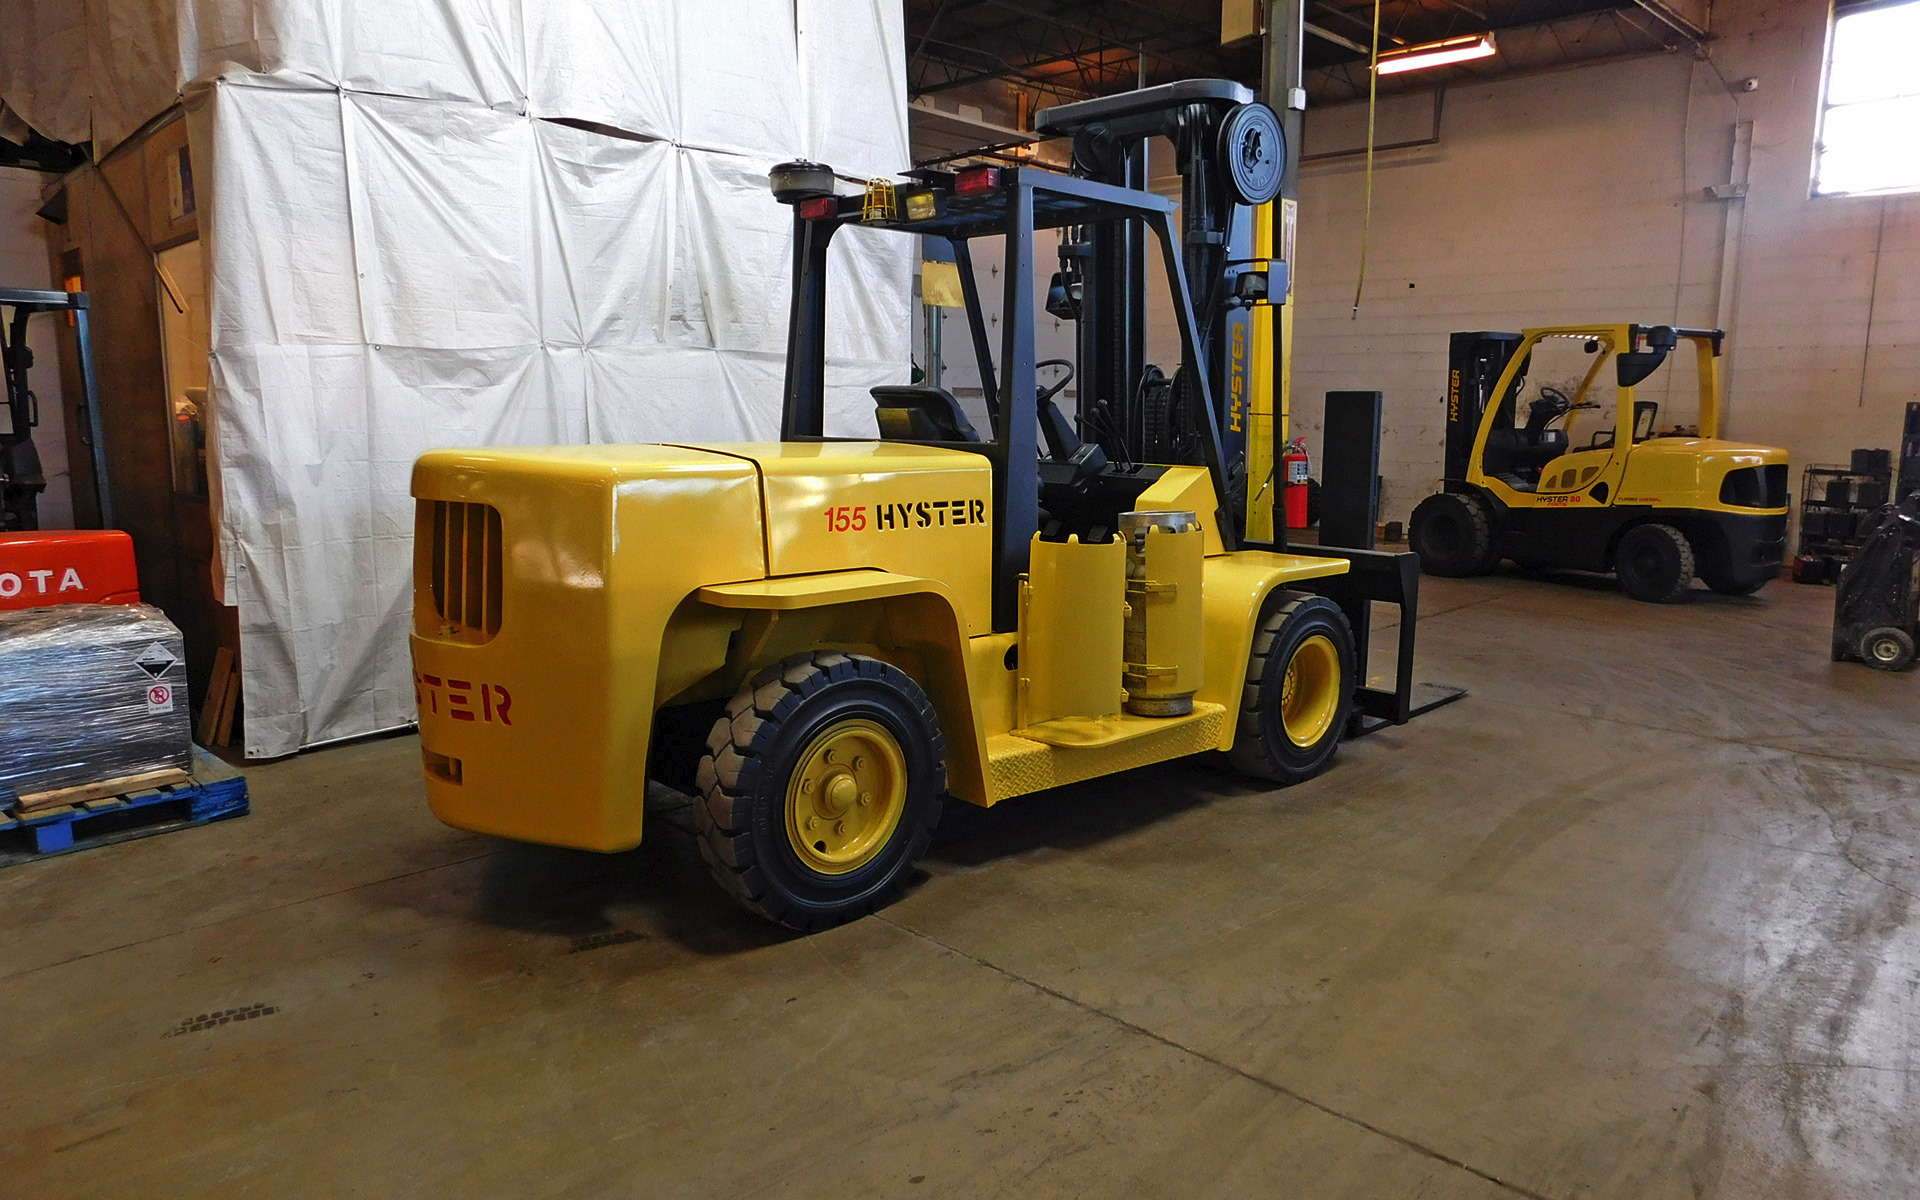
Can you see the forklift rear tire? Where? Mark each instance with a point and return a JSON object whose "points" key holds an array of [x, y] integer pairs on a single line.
{"points": [[1299, 691], [1654, 563], [1887, 648], [1453, 535], [820, 788]]}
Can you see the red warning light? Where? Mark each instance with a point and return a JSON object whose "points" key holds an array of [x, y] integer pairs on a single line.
{"points": [[977, 181]]}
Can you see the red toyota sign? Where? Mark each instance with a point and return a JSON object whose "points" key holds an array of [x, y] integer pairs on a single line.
{"points": [[67, 567]]}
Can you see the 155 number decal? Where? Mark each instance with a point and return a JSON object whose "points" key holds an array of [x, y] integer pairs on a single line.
{"points": [[847, 518]]}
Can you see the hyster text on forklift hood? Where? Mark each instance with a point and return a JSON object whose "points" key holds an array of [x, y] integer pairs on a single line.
{"points": [[913, 510], [545, 580]]}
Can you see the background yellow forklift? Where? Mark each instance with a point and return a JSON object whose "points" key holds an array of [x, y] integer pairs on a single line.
{"points": [[824, 638], [1656, 507]]}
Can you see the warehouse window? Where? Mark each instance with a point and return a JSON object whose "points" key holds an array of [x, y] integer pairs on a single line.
{"points": [[1872, 103]]}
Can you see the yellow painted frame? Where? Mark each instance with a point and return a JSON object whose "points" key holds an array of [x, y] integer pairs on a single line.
{"points": [[615, 554]]}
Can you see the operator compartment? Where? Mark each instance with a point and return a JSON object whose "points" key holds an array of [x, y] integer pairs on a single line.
{"points": [[543, 581]]}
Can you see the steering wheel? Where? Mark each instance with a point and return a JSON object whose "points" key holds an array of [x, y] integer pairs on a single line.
{"points": [[1546, 408], [1048, 392]]}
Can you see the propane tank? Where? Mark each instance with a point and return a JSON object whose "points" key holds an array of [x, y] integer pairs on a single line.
{"points": [[1164, 644], [1297, 466]]}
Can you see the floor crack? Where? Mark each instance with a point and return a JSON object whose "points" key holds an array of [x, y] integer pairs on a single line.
{"points": [[1277, 1088], [1844, 841]]}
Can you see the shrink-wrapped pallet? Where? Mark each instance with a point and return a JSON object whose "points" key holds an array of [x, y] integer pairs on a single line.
{"points": [[89, 693]]}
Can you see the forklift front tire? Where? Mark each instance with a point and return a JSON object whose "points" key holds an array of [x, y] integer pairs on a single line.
{"points": [[1298, 693], [1887, 648], [820, 788], [1453, 535], [1654, 563]]}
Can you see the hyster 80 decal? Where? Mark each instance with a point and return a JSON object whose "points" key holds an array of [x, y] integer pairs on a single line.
{"points": [[913, 514]]}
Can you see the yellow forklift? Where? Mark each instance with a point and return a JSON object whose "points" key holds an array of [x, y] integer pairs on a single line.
{"points": [[1657, 507], [825, 638]]}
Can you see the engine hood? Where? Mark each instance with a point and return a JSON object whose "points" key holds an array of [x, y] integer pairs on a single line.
{"points": [[1743, 454], [924, 511]]}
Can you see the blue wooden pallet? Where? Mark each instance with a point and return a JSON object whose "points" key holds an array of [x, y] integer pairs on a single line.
{"points": [[214, 792]]}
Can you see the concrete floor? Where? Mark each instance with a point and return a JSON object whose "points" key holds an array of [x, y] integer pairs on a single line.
{"points": [[1633, 920]]}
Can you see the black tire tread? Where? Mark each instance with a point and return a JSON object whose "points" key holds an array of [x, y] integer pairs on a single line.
{"points": [[731, 766], [1249, 754], [1486, 552], [1683, 579], [1899, 636]]}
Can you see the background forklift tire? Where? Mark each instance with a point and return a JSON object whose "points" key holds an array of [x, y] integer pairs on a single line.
{"points": [[1654, 563], [1289, 735], [1887, 648], [1453, 535], [820, 788]]}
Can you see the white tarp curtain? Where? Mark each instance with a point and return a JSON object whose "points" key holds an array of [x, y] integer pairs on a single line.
{"points": [[407, 250]]}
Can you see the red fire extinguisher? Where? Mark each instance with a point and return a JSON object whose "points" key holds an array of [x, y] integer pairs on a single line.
{"points": [[1294, 496]]}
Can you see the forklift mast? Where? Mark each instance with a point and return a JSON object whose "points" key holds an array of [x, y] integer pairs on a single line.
{"points": [[1474, 364], [1231, 156]]}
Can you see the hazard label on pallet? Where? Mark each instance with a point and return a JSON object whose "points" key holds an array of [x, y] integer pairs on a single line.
{"points": [[156, 660]]}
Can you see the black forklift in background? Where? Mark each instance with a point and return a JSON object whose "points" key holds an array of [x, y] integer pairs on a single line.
{"points": [[22, 479]]}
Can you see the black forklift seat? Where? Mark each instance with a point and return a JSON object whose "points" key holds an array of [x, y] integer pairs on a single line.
{"points": [[916, 413], [1516, 457]]}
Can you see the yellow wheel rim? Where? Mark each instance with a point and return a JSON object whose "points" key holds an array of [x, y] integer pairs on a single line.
{"points": [[845, 797], [1310, 696]]}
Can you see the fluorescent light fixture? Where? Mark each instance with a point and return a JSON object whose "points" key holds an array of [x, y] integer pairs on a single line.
{"points": [[1437, 54]]}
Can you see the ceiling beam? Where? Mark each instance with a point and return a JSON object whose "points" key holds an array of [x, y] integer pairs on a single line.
{"points": [[1023, 70], [1327, 35], [1356, 22], [1098, 50], [1608, 33], [1137, 40], [1674, 21]]}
